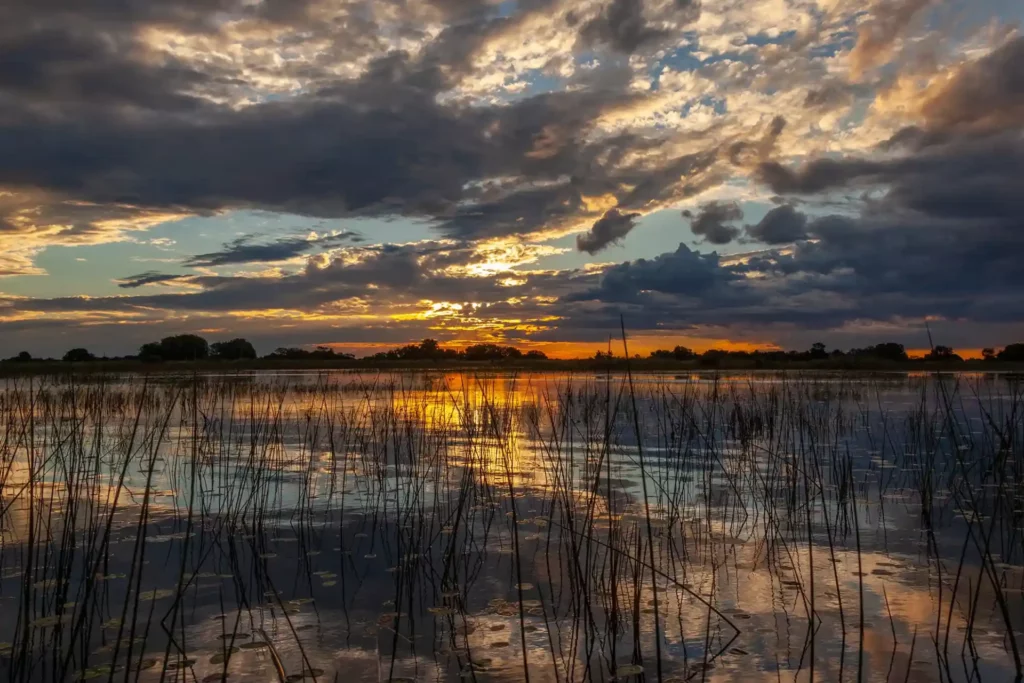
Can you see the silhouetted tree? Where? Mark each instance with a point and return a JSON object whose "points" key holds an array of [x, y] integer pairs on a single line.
{"points": [[1012, 353], [490, 352], [318, 353], [818, 351], [535, 355], [678, 353], [177, 347], [886, 351], [988, 354], [150, 352], [683, 353], [236, 349], [944, 353], [78, 356], [22, 357]]}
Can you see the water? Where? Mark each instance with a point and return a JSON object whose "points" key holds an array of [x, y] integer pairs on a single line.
{"points": [[428, 526]]}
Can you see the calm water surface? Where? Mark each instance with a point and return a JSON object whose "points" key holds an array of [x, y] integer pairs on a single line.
{"points": [[443, 527]]}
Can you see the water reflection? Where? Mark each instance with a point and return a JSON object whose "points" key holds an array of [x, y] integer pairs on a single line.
{"points": [[560, 528]]}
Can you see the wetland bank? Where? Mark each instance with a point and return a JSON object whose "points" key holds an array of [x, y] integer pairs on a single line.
{"points": [[496, 527]]}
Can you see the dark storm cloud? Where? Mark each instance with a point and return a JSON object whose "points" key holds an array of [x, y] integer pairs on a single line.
{"points": [[711, 221], [383, 143], [94, 117], [244, 250], [781, 225], [970, 138], [622, 26], [818, 175], [62, 66], [987, 94], [610, 228], [683, 272], [743, 152], [385, 274], [148, 278], [829, 96]]}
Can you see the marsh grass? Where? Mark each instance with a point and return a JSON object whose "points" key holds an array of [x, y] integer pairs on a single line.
{"points": [[518, 527]]}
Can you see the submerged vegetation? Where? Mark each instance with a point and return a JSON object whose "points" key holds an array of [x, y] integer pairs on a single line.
{"points": [[339, 526]]}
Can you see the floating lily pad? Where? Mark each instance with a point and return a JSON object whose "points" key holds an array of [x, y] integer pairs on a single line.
{"points": [[156, 594], [180, 664], [97, 672], [52, 620], [441, 611], [143, 664]]}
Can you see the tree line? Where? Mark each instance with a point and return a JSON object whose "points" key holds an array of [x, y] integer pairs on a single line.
{"points": [[886, 351], [191, 347]]}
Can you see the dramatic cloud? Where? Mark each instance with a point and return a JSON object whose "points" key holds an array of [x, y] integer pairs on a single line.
{"points": [[983, 95], [875, 39], [610, 228], [781, 225], [243, 250], [712, 219], [622, 26], [148, 278], [473, 142]]}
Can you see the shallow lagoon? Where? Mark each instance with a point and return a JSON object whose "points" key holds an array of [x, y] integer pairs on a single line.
{"points": [[428, 526]]}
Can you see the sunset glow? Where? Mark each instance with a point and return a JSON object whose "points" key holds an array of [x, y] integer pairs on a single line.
{"points": [[363, 175]]}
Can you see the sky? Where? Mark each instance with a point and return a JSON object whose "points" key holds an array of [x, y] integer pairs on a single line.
{"points": [[367, 173]]}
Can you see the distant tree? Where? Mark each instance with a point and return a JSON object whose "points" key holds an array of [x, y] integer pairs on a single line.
{"points": [[150, 352], [1012, 353], [678, 353], [22, 357], [318, 353], [78, 356], [477, 352], [604, 355], [683, 353], [712, 358], [534, 354], [818, 351], [943, 353], [184, 347], [236, 349], [886, 351], [988, 354], [177, 347]]}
